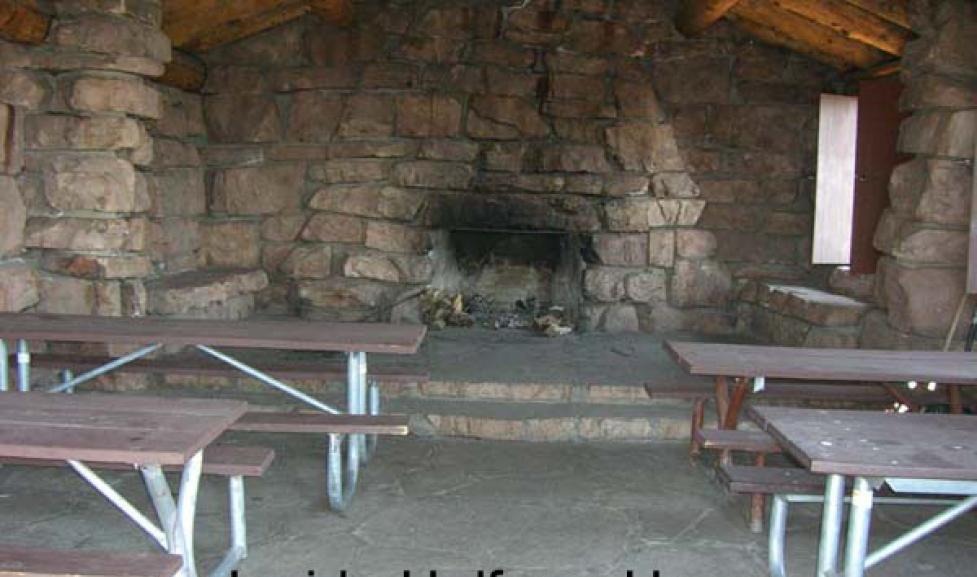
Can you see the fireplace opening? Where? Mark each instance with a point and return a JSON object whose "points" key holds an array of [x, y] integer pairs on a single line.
{"points": [[510, 279]]}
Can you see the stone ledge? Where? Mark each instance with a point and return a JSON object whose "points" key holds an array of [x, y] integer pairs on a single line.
{"points": [[812, 305], [227, 293]]}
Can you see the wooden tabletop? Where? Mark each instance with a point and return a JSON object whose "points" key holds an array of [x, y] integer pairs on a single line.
{"points": [[824, 364], [292, 334], [874, 444], [111, 428]]}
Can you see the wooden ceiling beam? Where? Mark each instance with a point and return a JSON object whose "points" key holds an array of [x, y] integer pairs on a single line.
{"points": [[852, 22], [803, 35], [894, 11], [338, 12], [694, 16], [184, 71], [20, 21], [249, 26], [766, 34]]}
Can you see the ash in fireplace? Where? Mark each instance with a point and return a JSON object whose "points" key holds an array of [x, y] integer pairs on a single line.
{"points": [[442, 309]]}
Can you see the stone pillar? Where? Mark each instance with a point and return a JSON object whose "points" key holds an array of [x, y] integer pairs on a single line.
{"points": [[85, 104], [924, 233]]}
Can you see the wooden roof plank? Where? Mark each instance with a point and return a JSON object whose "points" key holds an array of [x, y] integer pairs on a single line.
{"points": [[185, 72], [245, 27], [21, 22], [895, 11], [695, 16], [773, 24], [852, 22], [339, 12]]}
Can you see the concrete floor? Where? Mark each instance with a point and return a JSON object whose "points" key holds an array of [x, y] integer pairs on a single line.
{"points": [[455, 506]]}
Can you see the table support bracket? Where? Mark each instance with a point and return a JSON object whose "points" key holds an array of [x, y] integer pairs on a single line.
{"points": [[268, 380], [68, 385]]}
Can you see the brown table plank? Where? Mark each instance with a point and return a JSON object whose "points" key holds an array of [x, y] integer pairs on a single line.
{"points": [[294, 334], [19, 561], [824, 364], [872, 444], [111, 428], [302, 422]]}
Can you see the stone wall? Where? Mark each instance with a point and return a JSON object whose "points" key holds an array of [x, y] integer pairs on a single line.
{"points": [[924, 233], [74, 196], [337, 156]]}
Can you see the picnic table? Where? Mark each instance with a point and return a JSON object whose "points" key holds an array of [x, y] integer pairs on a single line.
{"points": [[748, 366], [356, 340], [910, 453], [145, 432]]}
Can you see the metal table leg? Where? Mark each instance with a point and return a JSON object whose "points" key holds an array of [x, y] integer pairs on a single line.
{"points": [[23, 366], [831, 516], [859, 524], [4, 368], [777, 540], [373, 398]]}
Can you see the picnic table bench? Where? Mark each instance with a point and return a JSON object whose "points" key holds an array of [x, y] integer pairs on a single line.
{"points": [[912, 453], [357, 428], [795, 374], [143, 432]]}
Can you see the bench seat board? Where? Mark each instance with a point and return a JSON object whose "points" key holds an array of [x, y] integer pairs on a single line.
{"points": [[292, 334], [783, 391], [306, 422], [225, 460], [198, 365], [736, 440], [32, 562], [770, 480]]}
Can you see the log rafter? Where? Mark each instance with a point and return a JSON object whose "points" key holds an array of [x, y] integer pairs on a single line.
{"points": [[695, 16], [20, 21], [852, 22]]}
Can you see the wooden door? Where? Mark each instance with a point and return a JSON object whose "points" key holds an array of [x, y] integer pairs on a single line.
{"points": [[878, 132]]}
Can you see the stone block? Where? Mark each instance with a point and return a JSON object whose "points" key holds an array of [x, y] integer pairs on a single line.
{"points": [[92, 182], [371, 149], [98, 267], [661, 248], [428, 115], [675, 212], [569, 62], [254, 118], [888, 232], [919, 245], [540, 182], [394, 237], [183, 114], [174, 244], [129, 95], [645, 146], [11, 140], [325, 227], [505, 156], [702, 78], [308, 261], [394, 75], [397, 268], [233, 243], [265, 189], [592, 184], [936, 91], [428, 174], [341, 47], [574, 158], [564, 86], [504, 117], [940, 133], [628, 214], [13, 217], [505, 82], [695, 244], [637, 100], [86, 234], [74, 296], [434, 50], [176, 192], [700, 283], [283, 227], [170, 153], [111, 35], [367, 116], [315, 78], [945, 197], [621, 249], [185, 293], [620, 318], [350, 170], [18, 287], [23, 88], [604, 37], [922, 300], [502, 54], [674, 185], [605, 284], [619, 184], [342, 293], [452, 150], [646, 286], [371, 200], [223, 79]]}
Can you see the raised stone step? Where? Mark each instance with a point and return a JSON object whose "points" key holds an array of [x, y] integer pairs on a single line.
{"points": [[206, 294], [794, 315]]}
